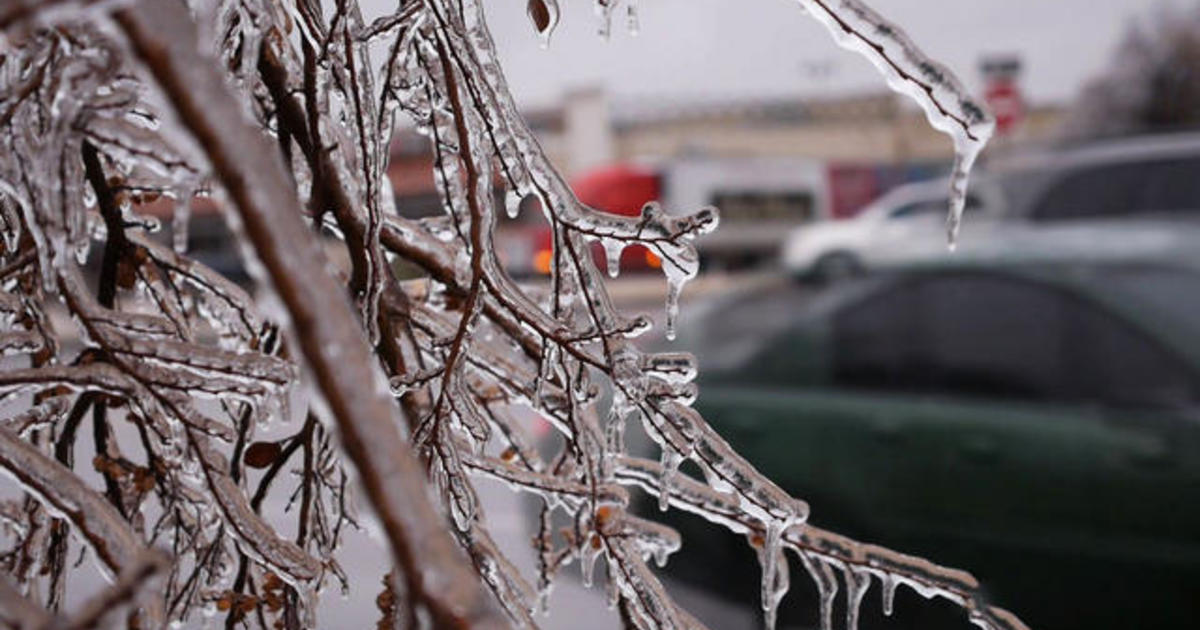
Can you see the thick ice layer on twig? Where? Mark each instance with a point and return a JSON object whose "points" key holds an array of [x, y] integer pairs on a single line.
{"points": [[946, 103]]}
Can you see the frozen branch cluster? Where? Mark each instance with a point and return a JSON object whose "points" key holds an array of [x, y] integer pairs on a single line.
{"points": [[281, 114]]}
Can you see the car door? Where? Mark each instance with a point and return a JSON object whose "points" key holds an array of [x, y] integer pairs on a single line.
{"points": [[992, 422], [863, 439]]}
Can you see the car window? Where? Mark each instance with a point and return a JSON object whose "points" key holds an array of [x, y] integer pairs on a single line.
{"points": [[211, 242], [1116, 366], [979, 335], [956, 335], [938, 206], [1171, 294], [738, 328], [764, 205], [1167, 186]]}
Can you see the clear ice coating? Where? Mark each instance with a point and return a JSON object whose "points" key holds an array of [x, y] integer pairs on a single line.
{"points": [[209, 375], [947, 105]]}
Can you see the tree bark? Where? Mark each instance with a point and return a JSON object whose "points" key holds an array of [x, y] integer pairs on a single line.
{"points": [[326, 329]]}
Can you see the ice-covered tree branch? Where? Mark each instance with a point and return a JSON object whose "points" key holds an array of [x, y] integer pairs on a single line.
{"points": [[279, 115], [163, 37]]}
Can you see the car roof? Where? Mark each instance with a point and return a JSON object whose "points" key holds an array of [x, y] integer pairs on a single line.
{"points": [[1102, 151], [722, 343], [1098, 281], [1101, 240], [1024, 176], [1044, 162]]}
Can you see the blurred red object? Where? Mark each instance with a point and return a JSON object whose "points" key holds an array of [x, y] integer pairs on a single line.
{"points": [[1007, 105], [619, 189]]}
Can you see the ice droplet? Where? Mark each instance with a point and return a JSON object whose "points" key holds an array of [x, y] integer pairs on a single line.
{"points": [[512, 203]]}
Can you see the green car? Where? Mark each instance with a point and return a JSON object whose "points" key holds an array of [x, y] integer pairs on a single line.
{"points": [[1035, 423]]}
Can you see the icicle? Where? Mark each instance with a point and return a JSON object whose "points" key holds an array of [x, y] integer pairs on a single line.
{"points": [[612, 255], [774, 563], [889, 593], [587, 559], [179, 222], [544, 16], [947, 105], [660, 556], [674, 286], [612, 588], [965, 154], [614, 428], [857, 582], [545, 376], [615, 433], [670, 468], [603, 10], [827, 586], [631, 12]]}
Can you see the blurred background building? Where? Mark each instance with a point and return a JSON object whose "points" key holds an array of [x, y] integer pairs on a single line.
{"points": [[769, 164]]}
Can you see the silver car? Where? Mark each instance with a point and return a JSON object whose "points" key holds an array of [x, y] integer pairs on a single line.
{"points": [[1146, 188]]}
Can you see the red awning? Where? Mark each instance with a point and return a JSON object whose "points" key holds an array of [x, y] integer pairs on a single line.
{"points": [[617, 189]]}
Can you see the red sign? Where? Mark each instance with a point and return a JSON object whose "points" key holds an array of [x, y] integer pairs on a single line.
{"points": [[1004, 99]]}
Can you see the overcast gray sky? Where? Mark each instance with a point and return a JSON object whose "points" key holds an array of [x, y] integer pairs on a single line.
{"points": [[720, 49]]}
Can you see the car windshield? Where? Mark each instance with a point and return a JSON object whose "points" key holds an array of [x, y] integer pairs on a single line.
{"points": [[975, 333], [1163, 186], [992, 335], [1021, 188], [734, 330]]}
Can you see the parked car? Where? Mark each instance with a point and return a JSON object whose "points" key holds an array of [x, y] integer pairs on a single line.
{"points": [[913, 215], [1103, 185], [1035, 421]]}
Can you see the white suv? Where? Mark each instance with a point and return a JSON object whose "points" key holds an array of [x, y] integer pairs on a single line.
{"points": [[907, 219], [1119, 191]]}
